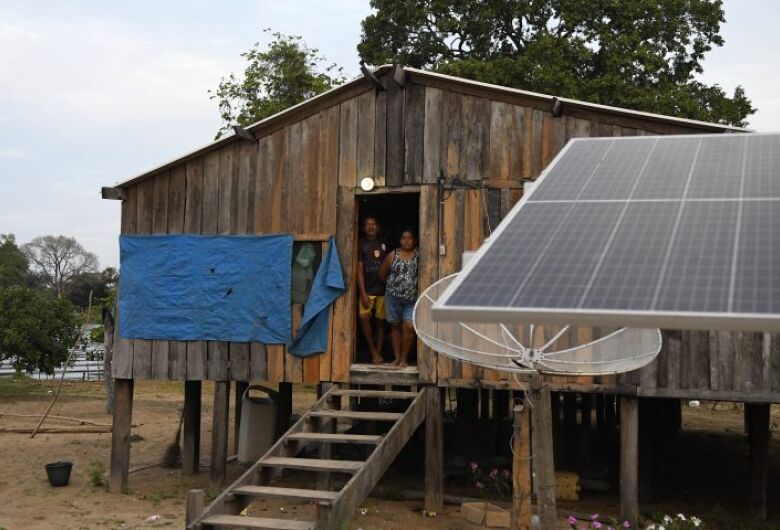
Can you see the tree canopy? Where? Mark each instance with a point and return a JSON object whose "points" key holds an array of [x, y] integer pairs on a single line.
{"points": [[639, 54], [13, 263], [277, 77], [36, 329], [58, 259]]}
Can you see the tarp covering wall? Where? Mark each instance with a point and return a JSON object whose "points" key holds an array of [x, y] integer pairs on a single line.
{"points": [[227, 288]]}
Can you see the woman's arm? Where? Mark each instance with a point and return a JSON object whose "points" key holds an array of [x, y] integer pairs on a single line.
{"points": [[385, 267]]}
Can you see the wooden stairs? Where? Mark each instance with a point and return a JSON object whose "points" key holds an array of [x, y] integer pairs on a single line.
{"points": [[318, 428]]}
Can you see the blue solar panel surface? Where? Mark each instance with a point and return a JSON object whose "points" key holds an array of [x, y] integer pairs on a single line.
{"points": [[686, 224]]}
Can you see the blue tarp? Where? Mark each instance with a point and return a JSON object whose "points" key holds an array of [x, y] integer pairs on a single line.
{"points": [[328, 285], [228, 288]]}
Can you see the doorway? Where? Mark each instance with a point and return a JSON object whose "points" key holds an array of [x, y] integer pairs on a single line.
{"points": [[394, 212]]}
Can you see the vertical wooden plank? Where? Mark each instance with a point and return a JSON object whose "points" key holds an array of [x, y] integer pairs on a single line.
{"points": [[216, 352], [194, 509], [344, 308], [450, 262], [329, 143], [394, 165], [348, 144], [193, 222], [120, 435], [159, 362], [629, 459], [258, 362], [434, 450], [476, 122], [219, 436], [177, 192], [241, 387], [380, 139], [472, 238], [293, 365], [217, 360], [122, 363], [142, 348], [535, 142], [752, 348], [190, 453], [432, 135], [414, 119], [521, 468], [774, 351], [428, 271], [451, 135], [366, 142], [674, 358], [228, 166]]}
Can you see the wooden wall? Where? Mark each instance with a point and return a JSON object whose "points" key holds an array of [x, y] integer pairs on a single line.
{"points": [[301, 177]]}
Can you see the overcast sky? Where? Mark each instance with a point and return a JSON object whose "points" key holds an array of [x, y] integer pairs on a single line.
{"points": [[93, 92]]}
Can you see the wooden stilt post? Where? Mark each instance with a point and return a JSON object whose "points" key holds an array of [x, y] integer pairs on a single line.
{"points": [[241, 387], [434, 450], [190, 453], [120, 435], [195, 501], [521, 468], [585, 432], [285, 409], [543, 465], [570, 429], [219, 436], [757, 416], [629, 459]]}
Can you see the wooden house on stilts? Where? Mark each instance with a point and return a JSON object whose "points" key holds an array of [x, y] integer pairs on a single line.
{"points": [[449, 157]]}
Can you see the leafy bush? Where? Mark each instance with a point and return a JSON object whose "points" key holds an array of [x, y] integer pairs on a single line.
{"points": [[97, 334], [494, 483], [36, 329]]}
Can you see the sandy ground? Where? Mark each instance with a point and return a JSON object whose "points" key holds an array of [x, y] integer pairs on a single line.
{"points": [[713, 443]]}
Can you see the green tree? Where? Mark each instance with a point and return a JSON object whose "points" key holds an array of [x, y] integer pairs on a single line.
{"points": [[56, 260], [36, 329], [13, 262], [100, 284], [277, 77], [639, 54]]}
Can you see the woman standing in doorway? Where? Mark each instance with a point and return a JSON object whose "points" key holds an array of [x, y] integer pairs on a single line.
{"points": [[399, 270]]}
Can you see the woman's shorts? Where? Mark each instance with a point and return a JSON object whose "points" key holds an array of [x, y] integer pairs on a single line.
{"points": [[398, 309]]}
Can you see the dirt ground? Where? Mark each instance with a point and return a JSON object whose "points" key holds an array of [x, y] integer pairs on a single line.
{"points": [[713, 446]]}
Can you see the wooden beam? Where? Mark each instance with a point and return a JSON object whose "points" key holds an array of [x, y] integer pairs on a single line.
{"points": [[434, 451], [521, 468], [629, 459], [544, 468], [219, 436], [190, 455], [194, 509], [112, 194], [120, 437], [757, 416]]}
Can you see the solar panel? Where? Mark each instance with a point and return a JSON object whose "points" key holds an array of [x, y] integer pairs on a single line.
{"points": [[675, 231]]}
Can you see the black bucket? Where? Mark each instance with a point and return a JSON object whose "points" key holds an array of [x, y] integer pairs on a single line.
{"points": [[59, 473]]}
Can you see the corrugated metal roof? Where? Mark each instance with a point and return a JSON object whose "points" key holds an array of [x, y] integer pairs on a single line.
{"points": [[569, 103]]}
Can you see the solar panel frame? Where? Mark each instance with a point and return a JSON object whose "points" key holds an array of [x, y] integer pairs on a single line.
{"points": [[697, 318]]}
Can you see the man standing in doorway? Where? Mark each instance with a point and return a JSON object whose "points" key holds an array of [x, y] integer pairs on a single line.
{"points": [[371, 253]]}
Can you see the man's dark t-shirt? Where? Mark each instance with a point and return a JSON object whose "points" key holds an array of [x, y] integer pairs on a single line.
{"points": [[372, 254]]}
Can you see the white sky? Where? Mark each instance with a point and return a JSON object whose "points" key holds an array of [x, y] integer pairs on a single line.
{"points": [[93, 92]]}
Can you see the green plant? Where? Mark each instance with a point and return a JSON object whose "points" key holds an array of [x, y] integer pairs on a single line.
{"points": [[97, 474], [678, 522], [494, 483], [97, 334]]}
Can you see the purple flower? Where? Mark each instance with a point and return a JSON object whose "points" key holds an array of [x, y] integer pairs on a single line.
{"points": [[571, 520], [493, 473], [506, 473], [596, 524], [480, 485], [594, 516], [473, 466], [626, 524]]}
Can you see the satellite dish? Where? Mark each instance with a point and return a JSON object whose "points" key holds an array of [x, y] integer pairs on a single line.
{"points": [[528, 348]]}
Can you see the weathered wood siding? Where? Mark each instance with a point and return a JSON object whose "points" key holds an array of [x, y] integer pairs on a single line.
{"points": [[301, 177]]}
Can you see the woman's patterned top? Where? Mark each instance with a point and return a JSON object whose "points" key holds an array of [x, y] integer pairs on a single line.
{"points": [[402, 280]]}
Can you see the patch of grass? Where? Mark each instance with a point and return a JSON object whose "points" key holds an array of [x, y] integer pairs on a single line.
{"points": [[21, 385], [97, 474], [156, 497]]}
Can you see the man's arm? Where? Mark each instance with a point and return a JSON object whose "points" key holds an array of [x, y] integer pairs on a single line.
{"points": [[361, 281]]}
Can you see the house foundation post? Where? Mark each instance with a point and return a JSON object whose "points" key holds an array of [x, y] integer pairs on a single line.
{"points": [[434, 450], [190, 451], [629, 459], [219, 436], [120, 435]]}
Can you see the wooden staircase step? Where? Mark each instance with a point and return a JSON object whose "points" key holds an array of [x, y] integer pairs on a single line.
{"points": [[388, 394], [287, 493], [237, 521], [335, 438], [358, 415], [313, 464]]}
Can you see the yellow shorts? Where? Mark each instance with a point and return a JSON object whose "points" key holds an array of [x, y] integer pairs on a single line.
{"points": [[376, 305]]}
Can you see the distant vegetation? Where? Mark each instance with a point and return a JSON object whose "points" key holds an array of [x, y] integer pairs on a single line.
{"points": [[44, 294]]}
